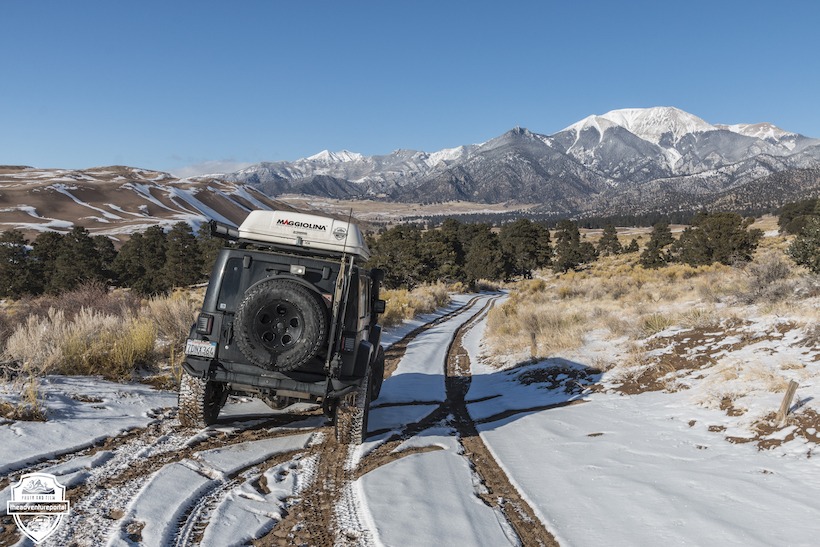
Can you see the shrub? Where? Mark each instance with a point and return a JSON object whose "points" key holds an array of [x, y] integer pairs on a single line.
{"points": [[92, 343], [655, 323], [768, 280], [173, 316], [403, 304], [805, 249], [28, 405], [91, 296]]}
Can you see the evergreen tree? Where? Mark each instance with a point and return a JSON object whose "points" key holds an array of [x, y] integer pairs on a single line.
{"points": [[77, 262], [45, 249], [398, 252], [440, 257], [717, 237], [794, 216], [527, 245], [609, 244], [209, 247], [485, 259], [141, 260], [15, 271], [633, 246], [570, 252], [107, 253], [654, 255], [805, 249], [183, 260]]}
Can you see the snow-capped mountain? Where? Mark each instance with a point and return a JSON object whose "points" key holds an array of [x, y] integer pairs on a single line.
{"points": [[630, 159]]}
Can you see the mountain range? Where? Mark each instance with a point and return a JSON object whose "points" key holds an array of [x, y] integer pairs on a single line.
{"points": [[625, 161]]}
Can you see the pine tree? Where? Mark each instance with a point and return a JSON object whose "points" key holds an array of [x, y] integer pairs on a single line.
{"points": [[183, 260], [633, 246], [106, 253], [527, 245], [140, 263], [654, 255], [15, 272], [805, 249], [485, 259], [209, 247], [717, 237], [398, 252], [45, 249], [570, 252], [77, 262], [609, 244]]}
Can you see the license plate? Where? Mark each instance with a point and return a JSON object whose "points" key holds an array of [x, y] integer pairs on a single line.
{"points": [[200, 348]]}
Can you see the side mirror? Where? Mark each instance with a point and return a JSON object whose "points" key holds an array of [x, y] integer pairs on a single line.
{"points": [[379, 306]]}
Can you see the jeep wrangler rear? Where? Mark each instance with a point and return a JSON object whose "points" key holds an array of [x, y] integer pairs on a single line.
{"points": [[290, 314]]}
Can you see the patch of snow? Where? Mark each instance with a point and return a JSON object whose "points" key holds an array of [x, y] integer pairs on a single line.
{"points": [[72, 424]]}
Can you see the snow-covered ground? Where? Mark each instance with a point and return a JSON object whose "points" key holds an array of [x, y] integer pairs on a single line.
{"points": [[598, 466]]}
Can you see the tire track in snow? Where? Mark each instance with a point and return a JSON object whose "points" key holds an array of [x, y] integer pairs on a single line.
{"points": [[116, 482], [330, 511]]}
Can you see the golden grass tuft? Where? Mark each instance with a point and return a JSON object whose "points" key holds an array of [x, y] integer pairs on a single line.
{"points": [[93, 343], [403, 304], [173, 316]]}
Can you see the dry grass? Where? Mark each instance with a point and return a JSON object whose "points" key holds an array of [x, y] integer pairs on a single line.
{"points": [[512, 326], [403, 304], [173, 316], [737, 379], [630, 304], [29, 405], [92, 331], [93, 343]]}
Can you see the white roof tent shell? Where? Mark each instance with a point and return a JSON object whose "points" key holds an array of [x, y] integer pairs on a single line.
{"points": [[305, 231]]}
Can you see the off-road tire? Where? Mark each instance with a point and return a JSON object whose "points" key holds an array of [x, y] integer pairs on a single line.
{"points": [[199, 401], [378, 374], [280, 325], [351, 414]]}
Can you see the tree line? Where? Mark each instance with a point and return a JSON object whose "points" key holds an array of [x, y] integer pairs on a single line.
{"points": [[155, 261], [150, 262]]}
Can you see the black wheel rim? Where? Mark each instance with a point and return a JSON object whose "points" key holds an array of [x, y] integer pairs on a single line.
{"points": [[278, 326]]}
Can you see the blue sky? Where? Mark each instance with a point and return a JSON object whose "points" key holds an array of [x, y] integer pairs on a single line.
{"points": [[172, 84]]}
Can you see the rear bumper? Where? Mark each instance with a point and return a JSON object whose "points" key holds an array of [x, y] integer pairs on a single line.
{"points": [[249, 375]]}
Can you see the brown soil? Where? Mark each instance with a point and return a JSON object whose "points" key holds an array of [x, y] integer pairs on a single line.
{"points": [[807, 426]]}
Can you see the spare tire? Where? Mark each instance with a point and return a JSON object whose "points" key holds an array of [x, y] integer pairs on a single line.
{"points": [[280, 324]]}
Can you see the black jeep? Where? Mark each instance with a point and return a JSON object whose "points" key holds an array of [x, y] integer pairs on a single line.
{"points": [[290, 314]]}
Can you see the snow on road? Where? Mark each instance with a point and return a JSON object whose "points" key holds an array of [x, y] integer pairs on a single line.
{"points": [[623, 470], [429, 499], [420, 374], [81, 411]]}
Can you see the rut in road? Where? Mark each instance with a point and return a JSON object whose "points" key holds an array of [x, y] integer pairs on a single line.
{"points": [[316, 519], [326, 512], [126, 463]]}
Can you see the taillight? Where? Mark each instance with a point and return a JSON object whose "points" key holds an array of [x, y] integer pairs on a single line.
{"points": [[204, 323]]}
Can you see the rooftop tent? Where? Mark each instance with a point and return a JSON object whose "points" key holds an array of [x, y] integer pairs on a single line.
{"points": [[304, 230]]}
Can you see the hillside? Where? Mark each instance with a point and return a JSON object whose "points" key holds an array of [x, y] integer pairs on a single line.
{"points": [[117, 201]]}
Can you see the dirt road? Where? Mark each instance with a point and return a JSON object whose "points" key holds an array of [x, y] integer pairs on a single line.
{"points": [[263, 478]]}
